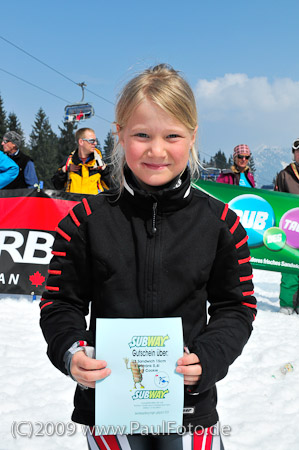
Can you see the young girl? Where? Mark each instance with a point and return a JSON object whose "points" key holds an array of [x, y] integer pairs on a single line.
{"points": [[156, 247]]}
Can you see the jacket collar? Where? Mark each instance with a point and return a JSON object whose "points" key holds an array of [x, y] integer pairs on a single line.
{"points": [[76, 160], [234, 169], [170, 197]]}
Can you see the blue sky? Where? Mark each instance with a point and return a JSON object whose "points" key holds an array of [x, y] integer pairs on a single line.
{"points": [[240, 58]]}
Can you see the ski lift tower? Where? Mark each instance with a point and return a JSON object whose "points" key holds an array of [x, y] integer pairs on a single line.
{"points": [[78, 111]]}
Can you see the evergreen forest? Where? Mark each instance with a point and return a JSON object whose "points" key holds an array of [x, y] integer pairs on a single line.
{"points": [[49, 150]]}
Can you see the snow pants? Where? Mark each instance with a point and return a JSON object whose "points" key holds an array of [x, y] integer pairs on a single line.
{"points": [[289, 290], [202, 441]]}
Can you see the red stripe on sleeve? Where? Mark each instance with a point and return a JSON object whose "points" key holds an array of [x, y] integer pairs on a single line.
{"points": [[249, 305], [63, 234], [245, 260], [86, 206], [248, 293], [54, 272], [242, 242], [52, 288], [233, 228], [46, 304], [58, 253], [73, 216], [246, 278], [224, 212]]}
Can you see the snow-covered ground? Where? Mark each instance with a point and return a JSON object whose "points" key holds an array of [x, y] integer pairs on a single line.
{"points": [[262, 411]]}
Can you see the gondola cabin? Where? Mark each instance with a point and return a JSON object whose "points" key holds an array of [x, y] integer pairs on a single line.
{"points": [[78, 112]]}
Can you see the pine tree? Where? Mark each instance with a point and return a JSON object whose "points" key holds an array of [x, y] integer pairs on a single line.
{"points": [[13, 124], [44, 148], [3, 122], [220, 160], [108, 147], [66, 141]]}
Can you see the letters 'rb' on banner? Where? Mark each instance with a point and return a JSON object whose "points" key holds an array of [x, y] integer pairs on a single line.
{"points": [[28, 220]]}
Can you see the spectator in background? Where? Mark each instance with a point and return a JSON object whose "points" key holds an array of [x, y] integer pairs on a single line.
{"points": [[288, 181], [27, 176], [84, 170], [9, 170], [239, 173]]}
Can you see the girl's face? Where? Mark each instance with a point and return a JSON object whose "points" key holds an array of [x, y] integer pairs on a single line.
{"points": [[156, 145]]}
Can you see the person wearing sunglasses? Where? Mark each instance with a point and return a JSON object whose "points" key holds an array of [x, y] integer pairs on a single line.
{"points": [[288, 181], [26, 177], [84, 171], [239, 173]]}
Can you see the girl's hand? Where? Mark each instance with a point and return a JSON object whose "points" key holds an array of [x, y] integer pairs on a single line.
{"points": [[87, 370], [189, 366]]}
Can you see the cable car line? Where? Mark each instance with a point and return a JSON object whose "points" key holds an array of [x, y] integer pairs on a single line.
{"points": [[34, 85], [51, 68], [45, 90]]}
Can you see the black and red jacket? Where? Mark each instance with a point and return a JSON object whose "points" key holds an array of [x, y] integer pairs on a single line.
{"points": [[158, 254]]}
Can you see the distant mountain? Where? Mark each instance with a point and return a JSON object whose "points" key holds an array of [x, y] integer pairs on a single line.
{"points": [[268, 161]]}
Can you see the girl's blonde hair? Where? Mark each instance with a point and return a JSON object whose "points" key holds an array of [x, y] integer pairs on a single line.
{"points": [[167, 89]]}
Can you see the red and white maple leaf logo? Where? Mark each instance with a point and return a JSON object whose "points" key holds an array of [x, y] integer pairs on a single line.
{"points": [[37, 279]]}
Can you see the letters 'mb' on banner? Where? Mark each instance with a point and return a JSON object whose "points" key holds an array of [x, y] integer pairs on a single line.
{"points": [[271, 220], [27, 228]]}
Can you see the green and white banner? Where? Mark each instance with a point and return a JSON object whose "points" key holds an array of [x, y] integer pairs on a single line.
{"points": [[271, 220]]}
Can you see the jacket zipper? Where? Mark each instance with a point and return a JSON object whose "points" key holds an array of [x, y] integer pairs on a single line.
{"points": [[154, 228], [151, 264]]}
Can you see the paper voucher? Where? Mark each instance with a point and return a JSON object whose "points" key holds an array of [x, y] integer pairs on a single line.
{"points": [[143, 393]]}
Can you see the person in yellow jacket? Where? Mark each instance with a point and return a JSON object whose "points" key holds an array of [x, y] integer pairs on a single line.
{"points": [[84, 171]]}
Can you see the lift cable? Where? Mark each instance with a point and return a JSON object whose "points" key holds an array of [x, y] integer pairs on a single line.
{"points": [[45, 90], [51, 68]]}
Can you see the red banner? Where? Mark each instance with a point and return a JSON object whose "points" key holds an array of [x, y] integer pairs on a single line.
{"points": [[28, 219]]}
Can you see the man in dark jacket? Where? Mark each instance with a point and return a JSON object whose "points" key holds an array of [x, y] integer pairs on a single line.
{"points": [[27, 176], [288, 181]]}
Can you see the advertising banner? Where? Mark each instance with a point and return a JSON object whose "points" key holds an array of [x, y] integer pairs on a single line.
{"points": [[271, 220], [28, 219]]}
